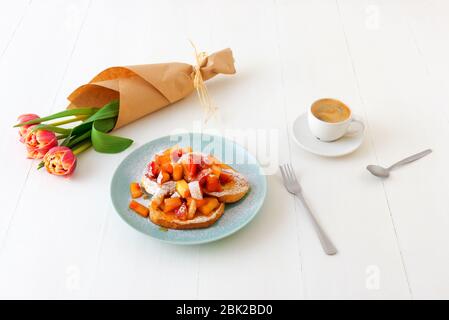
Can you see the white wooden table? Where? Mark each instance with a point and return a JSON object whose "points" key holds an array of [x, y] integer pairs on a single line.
{"points": [[60, 238]]}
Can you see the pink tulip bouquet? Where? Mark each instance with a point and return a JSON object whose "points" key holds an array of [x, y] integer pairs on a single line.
{"points": [[141, 90], [58, 146]]}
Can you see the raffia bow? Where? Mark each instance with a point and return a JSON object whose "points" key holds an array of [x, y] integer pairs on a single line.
{"points": [[199, 84]]}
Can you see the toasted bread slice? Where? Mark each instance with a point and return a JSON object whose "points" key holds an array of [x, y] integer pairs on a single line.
{"points": [[170, 221], [234, 190]]}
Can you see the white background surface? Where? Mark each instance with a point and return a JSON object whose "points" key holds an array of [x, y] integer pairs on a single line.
{"points": [[388, 60]]}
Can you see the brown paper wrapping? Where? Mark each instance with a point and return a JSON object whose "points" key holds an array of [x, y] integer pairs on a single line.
{"points": [[143, 89]]}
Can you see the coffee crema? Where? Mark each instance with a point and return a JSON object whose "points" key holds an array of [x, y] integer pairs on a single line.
{"points": [[329, 110]]}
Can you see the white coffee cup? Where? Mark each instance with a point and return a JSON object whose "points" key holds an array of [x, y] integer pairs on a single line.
{"points": [[336, 125]]}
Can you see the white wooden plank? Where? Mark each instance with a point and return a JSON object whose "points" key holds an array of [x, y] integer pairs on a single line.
{"points": [[31, 71], [406, 115], [350, 204], [12, 14]]}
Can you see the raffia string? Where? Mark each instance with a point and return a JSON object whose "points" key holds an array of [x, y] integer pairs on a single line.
{"points": [[199, 84]]}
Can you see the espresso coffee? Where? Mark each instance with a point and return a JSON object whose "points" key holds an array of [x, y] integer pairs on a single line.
{"points": [[332, 111]]}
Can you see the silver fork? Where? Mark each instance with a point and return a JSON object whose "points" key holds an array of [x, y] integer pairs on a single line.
{"points": [[292, 186]]}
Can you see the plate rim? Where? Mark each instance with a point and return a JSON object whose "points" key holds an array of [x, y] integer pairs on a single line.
{"points": [[292, 132], [191, 242]]}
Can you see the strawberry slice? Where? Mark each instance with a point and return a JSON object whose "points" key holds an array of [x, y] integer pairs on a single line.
{"points": [[202, 177], [213, 183], [193, 169], [193, 165], [207, 161], [225, 177], [149, 168], [181, 212], [154, 168]]}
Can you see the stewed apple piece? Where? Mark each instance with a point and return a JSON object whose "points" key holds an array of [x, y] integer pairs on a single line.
{"points": [[182, 188], [162, 177], [191, 209], [139, 208], [157, 201], [199, 202], [167, 167], [171, 204], [209, 206], [216, 170], [162, 158], [136, 190], [177, 171]]}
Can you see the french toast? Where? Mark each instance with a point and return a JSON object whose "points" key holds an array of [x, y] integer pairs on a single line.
{"points": [[190, 189]]}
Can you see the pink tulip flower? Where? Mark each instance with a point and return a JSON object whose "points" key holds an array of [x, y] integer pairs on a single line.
{"points": [[23, 130], [39, 142], [60, 161]]}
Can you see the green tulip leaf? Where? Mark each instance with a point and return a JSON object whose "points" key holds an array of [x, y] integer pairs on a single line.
{"points": [[108, 113], [105, 125], [81, 129], [106, 143], [109, 110]]}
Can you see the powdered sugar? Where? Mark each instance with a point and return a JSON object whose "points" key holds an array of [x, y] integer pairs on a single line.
{"points": [[159, 178], [152, 187], [195, 190]]}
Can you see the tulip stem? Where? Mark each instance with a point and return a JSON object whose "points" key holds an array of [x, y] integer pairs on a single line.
{"points": [[79, 139], [62, 136], [66, 113], [75, 119], [49, 128], [82, 147], [40, 165]]}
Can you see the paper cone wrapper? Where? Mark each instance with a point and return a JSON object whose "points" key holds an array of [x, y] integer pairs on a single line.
{"points": [[143, 89]]}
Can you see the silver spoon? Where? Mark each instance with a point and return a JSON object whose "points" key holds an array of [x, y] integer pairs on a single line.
{"points": [[382, 172]]}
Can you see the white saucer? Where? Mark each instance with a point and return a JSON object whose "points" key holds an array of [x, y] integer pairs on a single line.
{"points": [[304, 138]]}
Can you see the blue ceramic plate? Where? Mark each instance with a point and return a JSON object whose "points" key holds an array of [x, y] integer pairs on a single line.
{"points": [[236, 215]]}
